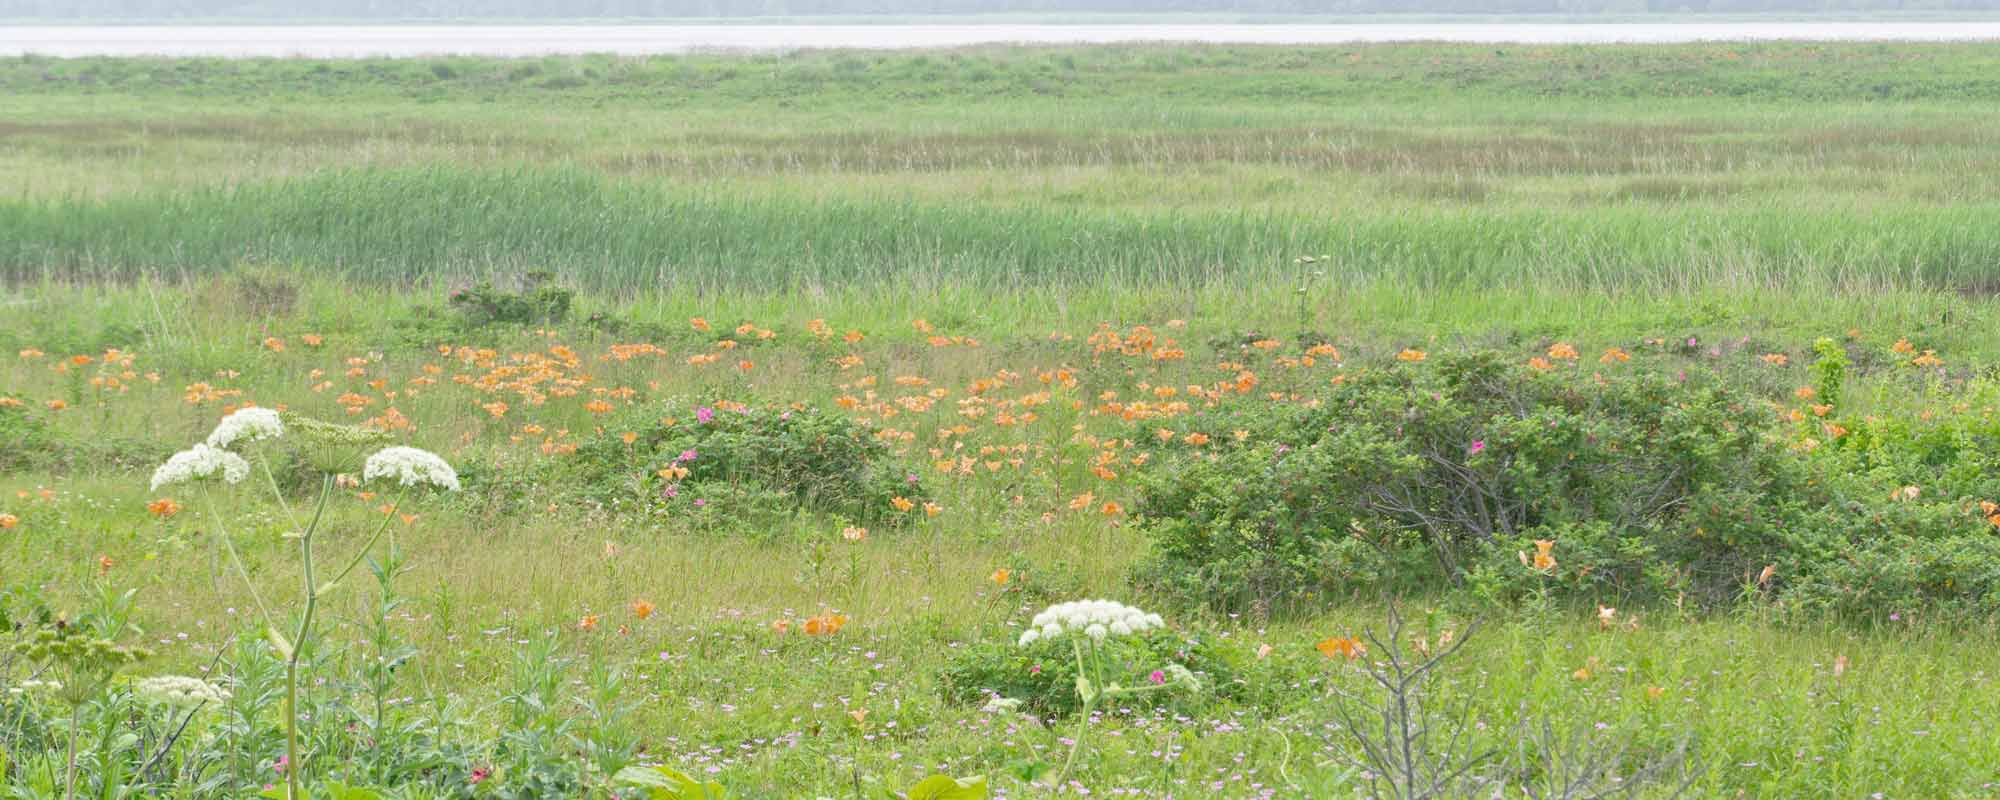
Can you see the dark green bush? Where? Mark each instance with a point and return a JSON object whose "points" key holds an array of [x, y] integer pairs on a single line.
{"points": [[1043, 676], [1650, 486], [537, 303], [472, 312], [1418, 472], [760, 462]]}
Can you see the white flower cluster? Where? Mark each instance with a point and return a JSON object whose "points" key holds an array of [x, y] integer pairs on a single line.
{"points": [[1093, 618], [201, 461], [180, 690], [411, 466], [247, 425], [1001, 705]]}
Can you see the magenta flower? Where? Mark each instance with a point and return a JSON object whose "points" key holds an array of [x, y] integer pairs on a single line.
{"points": [[1478, 445], [1158, 677], [704, 414]]}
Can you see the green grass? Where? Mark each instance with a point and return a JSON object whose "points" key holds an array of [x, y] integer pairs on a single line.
{"points": [[1756, 197], [445, 223], [1755, 689]]}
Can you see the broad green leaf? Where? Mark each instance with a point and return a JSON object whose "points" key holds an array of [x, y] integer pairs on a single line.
{"points": [[335, 790], [667, 783], [945, 787]]}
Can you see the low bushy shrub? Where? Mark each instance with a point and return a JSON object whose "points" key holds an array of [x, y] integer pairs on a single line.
{"points": [[1043, 675], [758, 461], [537, 303], [1449, 471]]}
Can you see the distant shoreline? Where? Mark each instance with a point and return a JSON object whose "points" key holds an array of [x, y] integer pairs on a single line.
{"points": [[1040, 19]]}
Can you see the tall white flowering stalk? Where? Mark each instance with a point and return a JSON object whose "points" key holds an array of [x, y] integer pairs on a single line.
{"points": [[1089, 625], [332, 449]]}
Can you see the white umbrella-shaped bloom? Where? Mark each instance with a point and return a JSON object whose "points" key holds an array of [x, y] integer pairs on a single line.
{"points": [[180, 690], [1098, 619], [411, 467], [246, 425], [201, 461]]}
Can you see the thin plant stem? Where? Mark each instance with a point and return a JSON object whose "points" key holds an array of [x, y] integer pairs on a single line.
{"points": [[69, 773], [365, 547], [229, 546], [264, 461]]}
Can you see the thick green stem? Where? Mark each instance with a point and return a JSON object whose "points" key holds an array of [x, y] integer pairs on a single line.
{"points": [[299, 643], [1076, 743], [69, 773], [1083, 718]]}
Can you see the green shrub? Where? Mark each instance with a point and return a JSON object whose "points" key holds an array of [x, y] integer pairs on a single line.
{"points": [[759, 462], [1043, 675], [1648, 487], [1423, 472], [537, 303]]}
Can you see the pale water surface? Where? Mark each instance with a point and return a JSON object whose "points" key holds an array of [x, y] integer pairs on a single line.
{"points": [[523, 40]]}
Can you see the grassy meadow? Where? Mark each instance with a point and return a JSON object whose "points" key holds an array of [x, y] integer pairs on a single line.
{"points": [[1042, 282]]}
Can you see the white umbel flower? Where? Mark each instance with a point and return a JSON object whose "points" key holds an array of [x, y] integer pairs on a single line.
{"points": [[201, 461], [410, 467], [180, 690], [1098, 619], [247, 425], [1001, 705]]}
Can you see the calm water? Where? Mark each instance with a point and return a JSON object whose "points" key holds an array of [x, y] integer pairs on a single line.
{"points": [[514, 40]]}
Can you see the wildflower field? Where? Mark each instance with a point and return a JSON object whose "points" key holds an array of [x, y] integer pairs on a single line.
{"points": [[1386, 421]]}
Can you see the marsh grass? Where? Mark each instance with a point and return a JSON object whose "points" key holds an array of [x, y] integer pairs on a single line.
{"points": [[444, 224], [1651, 169]]}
